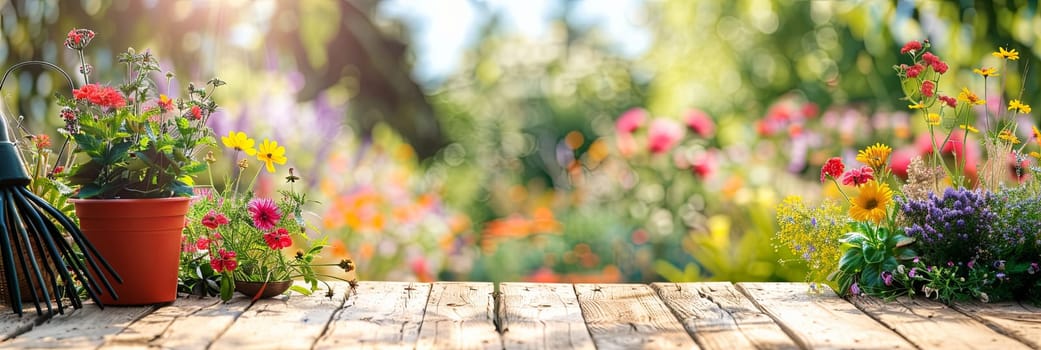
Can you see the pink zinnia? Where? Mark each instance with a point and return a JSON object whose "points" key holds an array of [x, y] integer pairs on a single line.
{"points": [[278, 239], [214, 219], [700, 123], [631, 120], [832, 168], [857, 177], [663, 135], [265, 213]]}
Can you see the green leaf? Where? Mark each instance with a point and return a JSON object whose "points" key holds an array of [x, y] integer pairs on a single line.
{"points": [[873, 255], [227, 287], [300, 289], [852, 260], [855, 239]]}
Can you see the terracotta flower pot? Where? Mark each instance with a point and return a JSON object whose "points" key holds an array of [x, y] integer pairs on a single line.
{"points": [[251, 289], [141, 238]]}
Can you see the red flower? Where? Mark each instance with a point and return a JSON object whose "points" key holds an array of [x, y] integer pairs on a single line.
{"points": [[214, 219], [57, 170], [663, 135], [42, 141], [914, 71], [165, 103], [833, 168], [705, 164], [928, 88], [940, 67], [265, 213], [195, 113], [103, 96], [224, 261], [857, 177], [278, 239], [930, 58], [950, 101], [911, 46], [78, 38], [202, 244]]}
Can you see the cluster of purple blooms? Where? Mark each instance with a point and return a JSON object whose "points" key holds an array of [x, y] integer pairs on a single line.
{"points": [[952, 227]]}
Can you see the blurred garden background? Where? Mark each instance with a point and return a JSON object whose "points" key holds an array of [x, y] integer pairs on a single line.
{"points": [[547, 140]]}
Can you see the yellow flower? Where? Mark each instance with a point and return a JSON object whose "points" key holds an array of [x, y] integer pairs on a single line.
{"points": [[239, 141], [1009, 137], [271, 152], [871, 203], [970, 97], [933, 119], [1037, 134], [986, 72], [970, 128], [1018, 106], [874, 156], [1010, 55], [918, 105], [1035, 155]]}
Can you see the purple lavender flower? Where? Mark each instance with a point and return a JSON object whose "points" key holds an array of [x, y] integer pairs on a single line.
{"points": [[951, 227]]}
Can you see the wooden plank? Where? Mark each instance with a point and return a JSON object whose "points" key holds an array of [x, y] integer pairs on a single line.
{"points": [[11, 325], [718, 316], [542, 316], [460, 315], [1018, 320], [384, 315], [283, 322], [929, 324], [177, 326], [627, 316], [85, 328], [820, 321]]}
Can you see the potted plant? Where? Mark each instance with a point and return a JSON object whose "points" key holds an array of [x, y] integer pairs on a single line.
{"points": [[235, 240], [132, 162]]}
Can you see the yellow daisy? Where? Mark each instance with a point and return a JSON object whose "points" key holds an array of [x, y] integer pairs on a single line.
{"points": [[1019, 106], [970, 97], [933, 119], [1010, 55], [239, 141], [918, 105], [1037, 134], [969, 128], [1035, 155], [874, 156], [271, 152], [871, 203], [1009, 137], [986, 72]]}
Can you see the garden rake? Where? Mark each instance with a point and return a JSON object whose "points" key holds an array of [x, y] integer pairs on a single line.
{"points": [[31, 242]]}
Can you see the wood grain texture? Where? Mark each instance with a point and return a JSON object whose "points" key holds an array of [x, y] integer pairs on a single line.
{"points": [[385, 315], [152, 326], [1017, 320], [820, 321], [11, 325], [460, 315], [283, 322], [929, 324], [627, 316], [542, 316], [85, 328], [718, 316]]}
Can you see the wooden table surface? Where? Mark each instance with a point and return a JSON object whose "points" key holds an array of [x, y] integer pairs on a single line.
{"points": [[473, 315]]}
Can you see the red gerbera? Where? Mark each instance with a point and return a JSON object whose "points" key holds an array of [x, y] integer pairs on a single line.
{"points": [[278, 239], [104, 96], [265, 213], [832, 168]]}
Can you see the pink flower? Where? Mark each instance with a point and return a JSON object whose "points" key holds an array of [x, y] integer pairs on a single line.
{"points": [[911, 46], [214, 219], [202, 244], [700, 123], [631, 120], [265, 213], [832, 168], [278, 239], [914, 71], [857, 177], [663, 135], [940, 67], [705, 165], [930, 58], [224, 261]]}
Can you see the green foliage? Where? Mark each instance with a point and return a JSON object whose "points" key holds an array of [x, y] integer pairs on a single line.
{"points": [[870, 250]]}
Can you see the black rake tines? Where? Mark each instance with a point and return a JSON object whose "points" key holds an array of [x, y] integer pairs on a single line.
{"points": [[31, 243]]}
